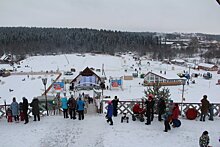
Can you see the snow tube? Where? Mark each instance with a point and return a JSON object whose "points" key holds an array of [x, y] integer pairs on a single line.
{"points": [[191, 113], [177, 123]]}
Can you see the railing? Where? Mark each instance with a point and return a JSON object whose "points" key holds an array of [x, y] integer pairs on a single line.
{"points": [[126, 107], [53, 110]]}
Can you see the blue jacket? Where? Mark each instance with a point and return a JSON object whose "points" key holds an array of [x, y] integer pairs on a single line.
{"points": [[110, 110], [14, 108], [64, 103], [80, 105]]}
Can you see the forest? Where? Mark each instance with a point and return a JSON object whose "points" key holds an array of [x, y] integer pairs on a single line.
{"points": [[48, 41]]}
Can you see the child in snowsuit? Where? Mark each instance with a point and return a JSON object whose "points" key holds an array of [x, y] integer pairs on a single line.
{"points": [[109, 113], [9, 115], [204, 139]]}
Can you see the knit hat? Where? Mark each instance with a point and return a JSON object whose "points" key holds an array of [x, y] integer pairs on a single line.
{"points": [[109, 102], [205, 133]]}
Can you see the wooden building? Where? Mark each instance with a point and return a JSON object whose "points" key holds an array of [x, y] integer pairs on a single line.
{"points": [[163, 78], [208, 67], [86, 79]]}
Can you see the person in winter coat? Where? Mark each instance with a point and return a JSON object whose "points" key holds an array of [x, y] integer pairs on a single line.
{"points": [[109, 113], [15, 109], [204, 108], [175, 113], [80, 108], [204, 139], [64, 106], [168, 115], [35, 109], [161, 106], [72, 107], [25, 109], [149, 109], [115, 106]]}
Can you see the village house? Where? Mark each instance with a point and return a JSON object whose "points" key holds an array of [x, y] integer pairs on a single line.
{"points": [[163, 78], [86, 79], [208, 67]]}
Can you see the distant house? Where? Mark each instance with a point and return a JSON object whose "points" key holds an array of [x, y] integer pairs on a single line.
{"points": [[86, 79], [163, 78], [178, 61], [208, 67]]}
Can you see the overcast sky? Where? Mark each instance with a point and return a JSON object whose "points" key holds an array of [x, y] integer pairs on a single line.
{"points": [[125, 15]]}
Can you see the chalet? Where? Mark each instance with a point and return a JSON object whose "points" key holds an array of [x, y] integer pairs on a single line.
{"points": [[86, 79], [163, 78], [178, 62], [208, 67]]}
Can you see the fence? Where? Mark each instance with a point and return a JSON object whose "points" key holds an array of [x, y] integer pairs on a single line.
{"points": [[126, 107], [53, 110]]}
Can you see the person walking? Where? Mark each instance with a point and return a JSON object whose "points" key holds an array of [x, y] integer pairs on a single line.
{"points": [[35, 109], [204, 139], [204, 108], [80, 108], [25, 110], [64, 106], [109, 113], [72, 107], [15, 109], [115, 106]]}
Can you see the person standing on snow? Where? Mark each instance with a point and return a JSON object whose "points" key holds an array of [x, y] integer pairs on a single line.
{"points": [[204, 108], [64, 106], [15, 109], [109, 113], [25, 110], [175, 114], [204, 139], [115, 106], [35, 109], [161, 106], [149, 109], [80, 108], [72, 107]]}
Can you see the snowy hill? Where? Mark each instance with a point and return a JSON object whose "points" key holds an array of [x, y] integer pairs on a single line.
{"points": [[93, 131], [114, 67]]}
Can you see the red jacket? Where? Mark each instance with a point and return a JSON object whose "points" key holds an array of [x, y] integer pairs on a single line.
{"points": [[176, 112]]}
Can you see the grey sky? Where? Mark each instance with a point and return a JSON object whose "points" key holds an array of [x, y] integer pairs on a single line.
{"points": [[126, 15]]}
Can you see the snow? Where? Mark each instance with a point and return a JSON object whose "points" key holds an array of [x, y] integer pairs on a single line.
{"points": [[93, 130], [113, 66]]}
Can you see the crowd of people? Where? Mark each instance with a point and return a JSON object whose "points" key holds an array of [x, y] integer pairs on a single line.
{"points": [[21, 109], [167, 111]]}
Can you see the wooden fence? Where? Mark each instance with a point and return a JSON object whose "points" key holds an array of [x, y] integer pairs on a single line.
{"points": [[126, 107], [53, 110]]}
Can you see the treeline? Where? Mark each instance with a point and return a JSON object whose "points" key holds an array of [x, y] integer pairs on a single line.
{"points": [[32, 41]]}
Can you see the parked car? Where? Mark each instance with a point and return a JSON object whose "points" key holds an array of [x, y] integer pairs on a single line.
{"points": [[68, 73]]}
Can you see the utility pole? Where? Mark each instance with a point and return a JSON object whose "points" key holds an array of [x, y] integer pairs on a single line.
{"points": [[183, 90]]}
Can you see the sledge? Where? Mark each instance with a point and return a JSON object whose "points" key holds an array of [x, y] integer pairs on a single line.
{"points": [[176, 123]]}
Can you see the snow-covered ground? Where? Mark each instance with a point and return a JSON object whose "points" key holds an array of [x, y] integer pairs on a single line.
{"points": [[114, 67], [93, 131]]}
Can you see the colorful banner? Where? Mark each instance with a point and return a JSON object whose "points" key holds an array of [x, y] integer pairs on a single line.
{"points": [[58, 85]]}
